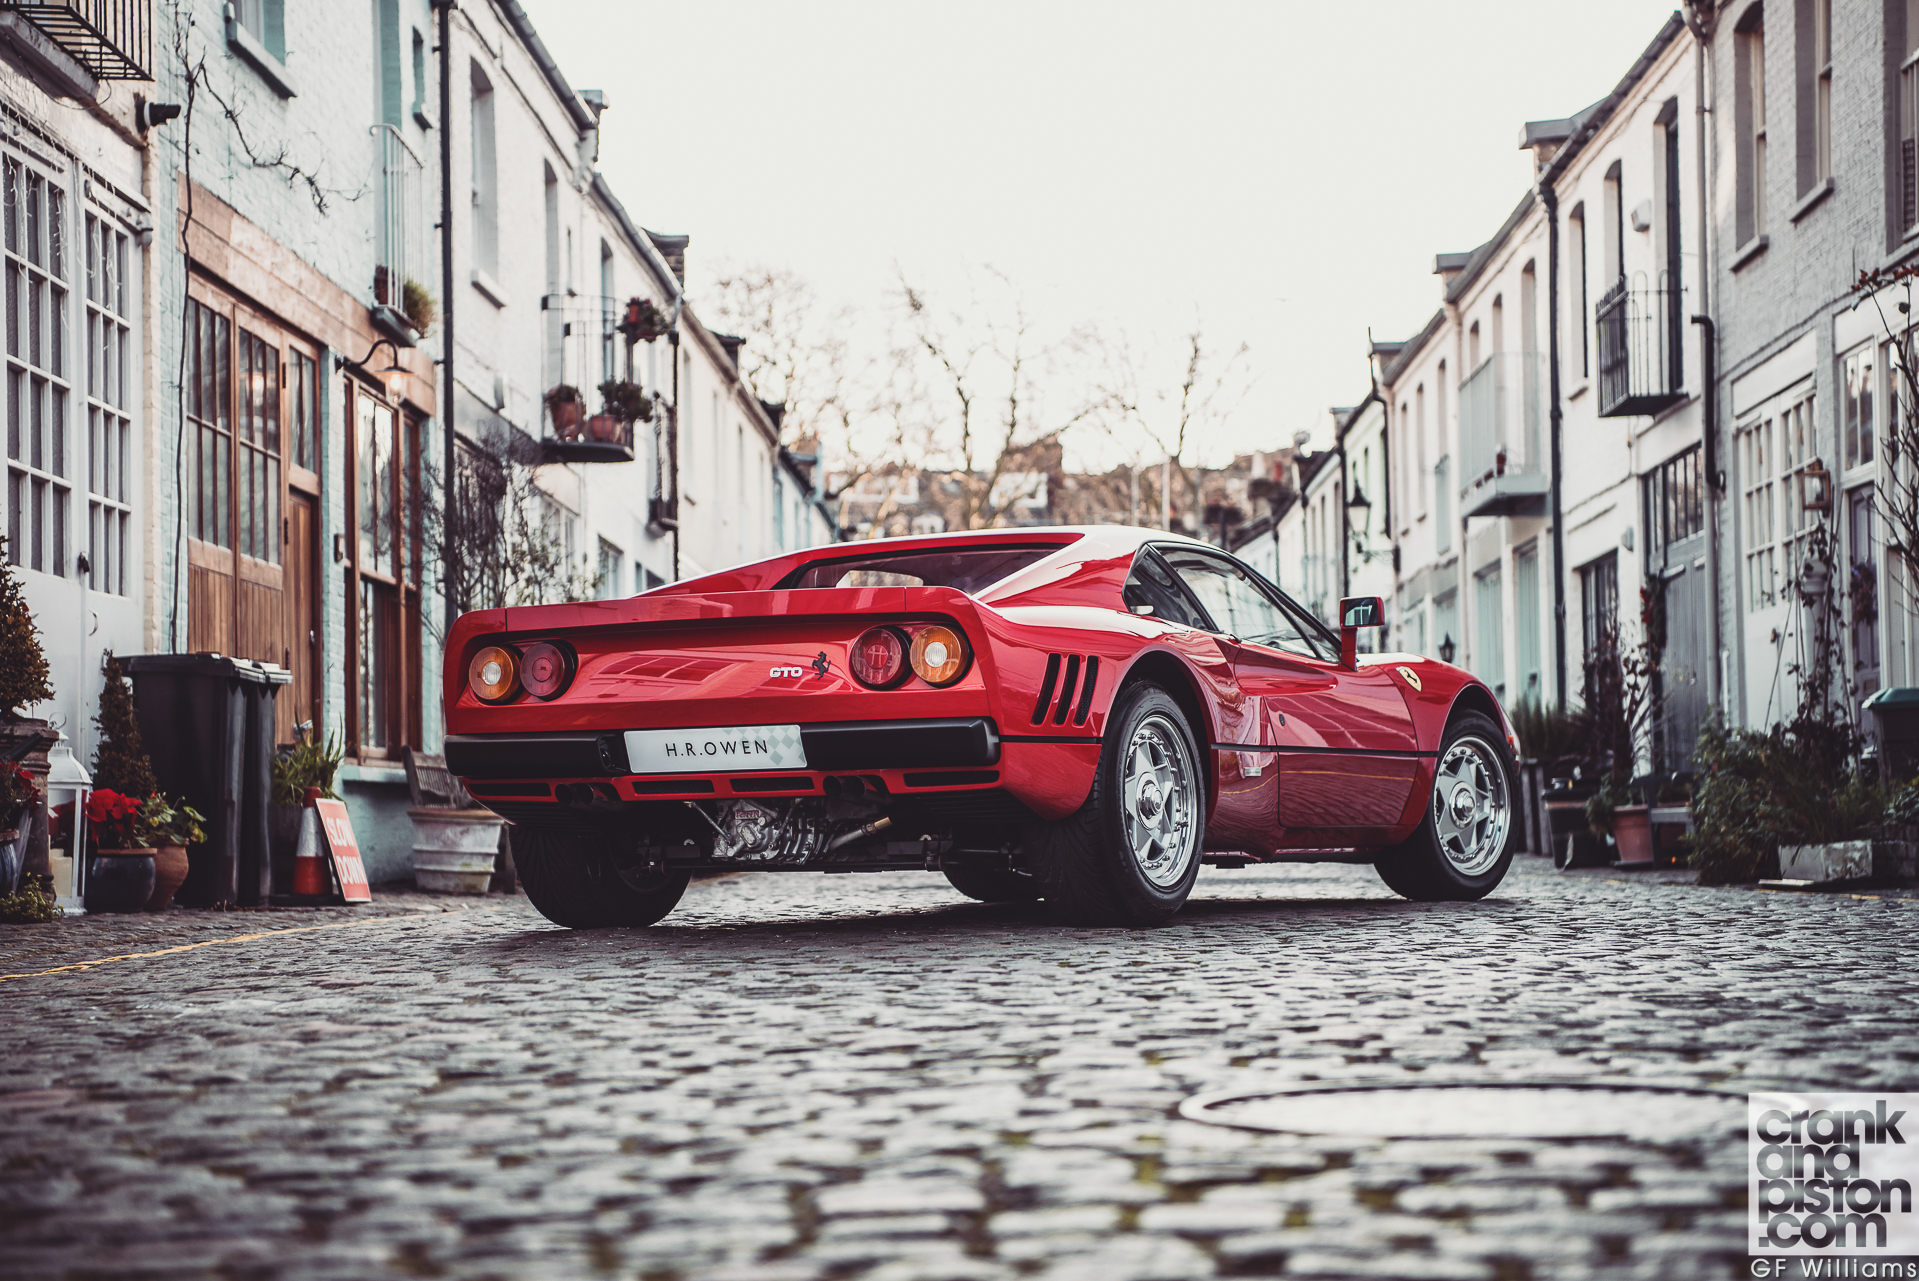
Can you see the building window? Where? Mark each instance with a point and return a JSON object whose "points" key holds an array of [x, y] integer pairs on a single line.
{"points": [[1773, 452], [611, 570], [1419, 444], [1612, 213], [1909, 124], [1812, 48], [421, 113], [265, 21], [110, 380], [392, 86], [1599, 602], [384, 674], [1670, 232], [486, 188], [1442, 488], [609, 318], [1860, 426], [1675, 503], [1576, 293], [1749, 120], [39, 453]]}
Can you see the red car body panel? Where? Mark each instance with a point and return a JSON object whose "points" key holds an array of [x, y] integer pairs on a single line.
{"points": [[1305, 758]]}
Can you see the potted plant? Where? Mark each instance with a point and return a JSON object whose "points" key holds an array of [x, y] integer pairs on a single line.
{"points": [[171, 827], [1621, 685], [19, 793], [305, 763], [121, 875], [120, 763], [421, 308], [566, 407], [644, 321]]}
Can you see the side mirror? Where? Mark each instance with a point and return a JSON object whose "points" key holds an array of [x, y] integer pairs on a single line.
{"points": [[1356, 612]]}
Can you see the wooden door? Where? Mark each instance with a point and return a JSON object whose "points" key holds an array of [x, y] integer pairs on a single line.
{"points": [[253, 449], [300, 701]]}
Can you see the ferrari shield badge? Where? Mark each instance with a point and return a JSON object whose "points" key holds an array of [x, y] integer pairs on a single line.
{"points": [[1411, 677]]}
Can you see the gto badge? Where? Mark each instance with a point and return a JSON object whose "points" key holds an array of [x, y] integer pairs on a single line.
{"points": [[778, 672], [1412, 678]]}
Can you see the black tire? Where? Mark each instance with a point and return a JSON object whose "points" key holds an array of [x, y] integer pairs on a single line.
{"points": [[1085, 862], [1420, 868], [993, 884], [575, 880]]}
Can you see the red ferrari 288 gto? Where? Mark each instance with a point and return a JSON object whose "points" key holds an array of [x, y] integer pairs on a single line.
{"points": [[1079, 715]]}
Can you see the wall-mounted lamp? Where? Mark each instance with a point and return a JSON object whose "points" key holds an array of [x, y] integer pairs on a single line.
{"points": [[1447, 649], [383, 375], [1815, 487]]}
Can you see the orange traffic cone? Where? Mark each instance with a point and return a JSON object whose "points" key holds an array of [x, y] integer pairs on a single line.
{"points": [[309, 862]]}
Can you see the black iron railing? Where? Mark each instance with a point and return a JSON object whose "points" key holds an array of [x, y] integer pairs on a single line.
{"points": [[112, 39], [1639, 350]]}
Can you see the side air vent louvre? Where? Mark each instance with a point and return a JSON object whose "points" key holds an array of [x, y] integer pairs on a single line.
{"points": [[1067, 675], [1044, 703]]}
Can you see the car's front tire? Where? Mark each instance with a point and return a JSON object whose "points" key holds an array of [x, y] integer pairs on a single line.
{"points": [[1464, 844], [578, 880], [1130, 855]]}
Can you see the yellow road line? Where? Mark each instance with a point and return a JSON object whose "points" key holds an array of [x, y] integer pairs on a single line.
{"points": [[233, 938]]}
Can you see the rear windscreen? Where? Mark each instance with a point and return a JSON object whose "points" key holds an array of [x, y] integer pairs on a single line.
{"points": [[967, 569]]}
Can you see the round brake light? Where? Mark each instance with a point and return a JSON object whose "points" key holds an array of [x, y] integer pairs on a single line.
{"points": [[545, 670], [878, 658], [939, 655], [494, 674]]}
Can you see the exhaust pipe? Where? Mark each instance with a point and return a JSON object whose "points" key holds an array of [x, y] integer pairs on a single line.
{"points": [[873, 828]]}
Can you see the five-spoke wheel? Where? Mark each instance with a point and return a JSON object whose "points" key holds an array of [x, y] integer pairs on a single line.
{"points": [[1462, 848]]}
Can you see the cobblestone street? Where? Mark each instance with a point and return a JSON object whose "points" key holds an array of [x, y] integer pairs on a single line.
{"points": [[868, 1076]]}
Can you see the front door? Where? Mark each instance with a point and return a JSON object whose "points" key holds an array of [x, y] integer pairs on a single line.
{"points": [[1341, 740], [242, 601]]}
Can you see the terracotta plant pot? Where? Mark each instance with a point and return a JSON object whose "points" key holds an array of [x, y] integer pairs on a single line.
{"points": [[1632, 832], [169, 869], [603, 427], [119, 880], [566, 418]]}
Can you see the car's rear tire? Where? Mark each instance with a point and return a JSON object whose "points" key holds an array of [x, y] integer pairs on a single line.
{"points": [[1464, 843], [993, 884], [1130, 855], [576, 879]]}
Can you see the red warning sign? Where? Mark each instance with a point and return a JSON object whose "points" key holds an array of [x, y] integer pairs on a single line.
{"points": [[345, 850]]}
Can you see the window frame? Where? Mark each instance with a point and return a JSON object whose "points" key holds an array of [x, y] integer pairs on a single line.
{"points": [[1303, 619], [395, 590], [42, 462]]}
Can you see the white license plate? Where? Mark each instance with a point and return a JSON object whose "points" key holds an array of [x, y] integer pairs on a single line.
{"points": [[712, 751]]}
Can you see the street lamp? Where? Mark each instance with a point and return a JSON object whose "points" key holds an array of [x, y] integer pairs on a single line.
{"points": [[1447, 649], [67, 786]]}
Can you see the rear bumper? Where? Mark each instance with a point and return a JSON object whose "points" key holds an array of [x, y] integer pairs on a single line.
{"points": [[962, 743]]}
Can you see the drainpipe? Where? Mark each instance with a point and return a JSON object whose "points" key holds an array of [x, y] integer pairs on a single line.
{"points": [[1345, 518], [673, 334], [450, 570], [1551, 200], [1708, 358]]}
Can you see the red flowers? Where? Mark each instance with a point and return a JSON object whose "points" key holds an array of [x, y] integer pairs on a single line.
{"points": [[111, 816]]}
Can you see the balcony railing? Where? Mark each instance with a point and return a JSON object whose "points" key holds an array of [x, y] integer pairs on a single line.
{"points": [[1501, 440], [1640, 345], [584, 349], [402, 243], [112, 39]]}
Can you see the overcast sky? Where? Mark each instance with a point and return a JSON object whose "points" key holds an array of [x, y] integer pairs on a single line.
{"points": [[1283, 170]]}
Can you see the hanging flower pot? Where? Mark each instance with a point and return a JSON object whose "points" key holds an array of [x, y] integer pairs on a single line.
{"points": [[604, 427], [566, 407]]}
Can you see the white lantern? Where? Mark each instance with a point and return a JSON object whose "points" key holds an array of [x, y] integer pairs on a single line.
{"points": [[68, 783]]}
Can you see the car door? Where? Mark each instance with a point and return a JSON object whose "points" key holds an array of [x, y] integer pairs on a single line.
{"points": [[1342, 740]]}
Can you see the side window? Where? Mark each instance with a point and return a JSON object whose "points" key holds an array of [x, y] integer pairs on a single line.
{"points": [[1236, 604], [1152, 586]]}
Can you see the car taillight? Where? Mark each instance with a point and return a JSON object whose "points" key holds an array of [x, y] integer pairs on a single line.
{"points": [[939, 655], [878, 658], [545, 670], [494, 674]]}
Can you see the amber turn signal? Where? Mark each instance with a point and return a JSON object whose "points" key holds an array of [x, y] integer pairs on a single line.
{"points": [[939, 655], [494, 674]]}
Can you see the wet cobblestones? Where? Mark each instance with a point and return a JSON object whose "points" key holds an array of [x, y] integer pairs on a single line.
{"points": [[811, 1078]]}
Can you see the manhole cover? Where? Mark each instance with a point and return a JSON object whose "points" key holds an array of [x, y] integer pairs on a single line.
{"points": [[1478, 1110]]}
